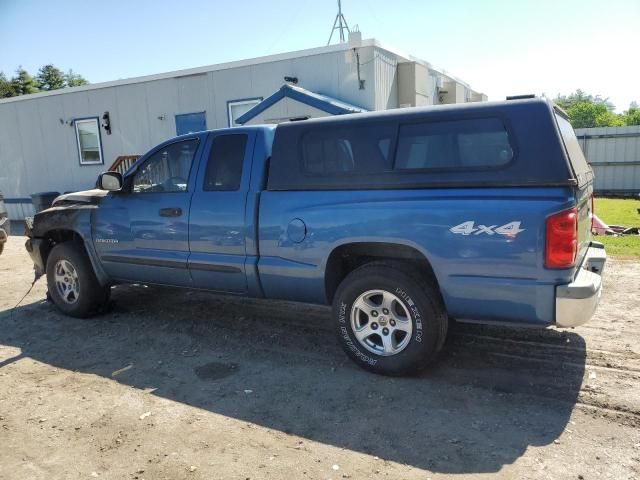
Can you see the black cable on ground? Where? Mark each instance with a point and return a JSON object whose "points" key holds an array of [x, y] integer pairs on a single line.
{"points": [[35, 279]]}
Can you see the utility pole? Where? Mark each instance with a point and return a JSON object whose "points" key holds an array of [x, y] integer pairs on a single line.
{"points": [[340, 23]]}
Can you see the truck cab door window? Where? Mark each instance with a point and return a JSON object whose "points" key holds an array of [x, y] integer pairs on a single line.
{"points": [[224, 167], [167, 170]]}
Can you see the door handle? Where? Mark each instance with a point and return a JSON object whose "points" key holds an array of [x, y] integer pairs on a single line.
{"points": [[170, 212]]}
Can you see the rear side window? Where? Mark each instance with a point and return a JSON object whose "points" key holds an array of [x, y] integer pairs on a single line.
{"points": [[474, 143], [334, 151], [224, 167], [327, 154]]}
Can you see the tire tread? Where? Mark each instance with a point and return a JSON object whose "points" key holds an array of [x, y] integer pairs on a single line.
{"points": [[93, 295], [427, 290]]}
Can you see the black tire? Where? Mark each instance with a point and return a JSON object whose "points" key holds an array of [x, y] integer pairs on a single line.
{"points": [[419, 299], [91, 296]]}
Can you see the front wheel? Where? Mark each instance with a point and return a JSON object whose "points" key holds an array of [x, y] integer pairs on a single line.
{"points": [[389, 319], [72, 283]]}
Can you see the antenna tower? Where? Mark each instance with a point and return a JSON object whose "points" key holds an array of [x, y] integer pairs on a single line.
{"points": [[340, 23]]}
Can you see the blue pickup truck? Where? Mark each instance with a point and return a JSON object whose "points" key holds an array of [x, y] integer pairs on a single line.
{"points": [[401, 220]]}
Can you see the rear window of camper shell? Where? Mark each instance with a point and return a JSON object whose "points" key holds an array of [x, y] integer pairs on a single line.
{"points": [[364, 150]]}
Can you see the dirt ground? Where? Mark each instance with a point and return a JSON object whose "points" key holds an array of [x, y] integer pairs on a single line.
{"points": [[174, 384]]}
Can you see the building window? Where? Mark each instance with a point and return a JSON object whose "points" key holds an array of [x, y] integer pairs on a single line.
{"points": [[89, 141], [191, 123], [237, 108]]}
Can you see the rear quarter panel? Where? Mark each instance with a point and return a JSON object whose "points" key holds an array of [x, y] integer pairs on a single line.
{"points": [[481, 275]]}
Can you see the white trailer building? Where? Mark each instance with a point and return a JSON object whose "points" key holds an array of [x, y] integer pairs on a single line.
{"points": [[61, 140]]}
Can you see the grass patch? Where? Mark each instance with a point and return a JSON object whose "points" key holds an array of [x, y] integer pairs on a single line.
{"points": [[627, 246], [618, 211]]}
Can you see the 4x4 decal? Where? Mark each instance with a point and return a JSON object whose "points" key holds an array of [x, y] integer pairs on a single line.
{"points": [[510, 229]]}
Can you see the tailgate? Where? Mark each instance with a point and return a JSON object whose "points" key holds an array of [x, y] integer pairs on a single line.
{"points": [[584, 189]]}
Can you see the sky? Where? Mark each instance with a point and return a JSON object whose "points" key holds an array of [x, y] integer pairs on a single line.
{"points": [[499, 47]]}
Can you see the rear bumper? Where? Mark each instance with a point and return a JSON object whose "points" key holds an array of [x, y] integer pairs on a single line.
{"points": [[577, 301]]}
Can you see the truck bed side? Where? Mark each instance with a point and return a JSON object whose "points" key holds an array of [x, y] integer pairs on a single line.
{"points": [[482, 274]]}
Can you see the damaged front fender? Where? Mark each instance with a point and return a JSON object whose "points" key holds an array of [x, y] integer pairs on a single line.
{"points": [[38, 248], [63, 223]]}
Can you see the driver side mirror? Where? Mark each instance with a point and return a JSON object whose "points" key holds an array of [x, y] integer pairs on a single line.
{"points": [[110, 181]]}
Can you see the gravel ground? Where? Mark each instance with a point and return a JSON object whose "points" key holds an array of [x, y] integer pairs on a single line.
{"points": [[178, 384]]}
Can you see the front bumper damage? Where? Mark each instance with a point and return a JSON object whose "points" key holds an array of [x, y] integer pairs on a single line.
{"points": [[36, 248], [577, 301]]}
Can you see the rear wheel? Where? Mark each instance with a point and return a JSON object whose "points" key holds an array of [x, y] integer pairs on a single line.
{"points": [[389, 319], [73, 286]]}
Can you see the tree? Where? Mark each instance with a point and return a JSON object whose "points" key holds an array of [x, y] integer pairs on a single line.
{"points": [[50, 78], [632, 116], [6, 88], [566, 102], [586, 111], [74, 80], [23, 83], [588, 114]]}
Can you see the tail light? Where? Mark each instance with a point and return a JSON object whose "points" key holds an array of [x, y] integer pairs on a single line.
{"points": [[561, 240]]}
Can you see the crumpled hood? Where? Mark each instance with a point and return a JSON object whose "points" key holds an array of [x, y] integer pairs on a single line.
{"points": [[87, 196]]}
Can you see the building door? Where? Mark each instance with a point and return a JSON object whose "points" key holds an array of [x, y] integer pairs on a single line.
{"points": [[191, 123]]}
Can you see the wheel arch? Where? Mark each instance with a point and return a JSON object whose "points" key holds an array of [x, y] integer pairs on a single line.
{"points": [[57, 225], [347, 256], [45, 242]]}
